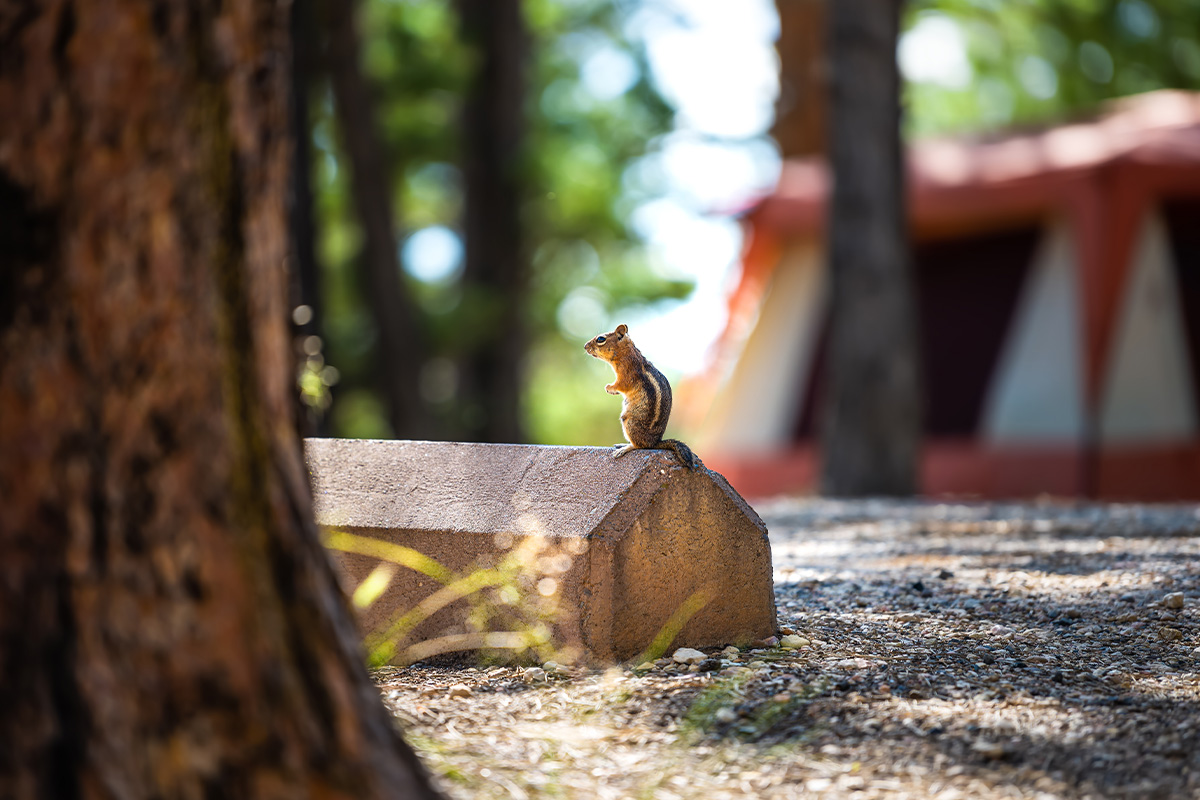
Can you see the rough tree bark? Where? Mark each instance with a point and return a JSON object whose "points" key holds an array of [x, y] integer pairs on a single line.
{"points": [[872, 420], [402, 352], [169, 623], [800, 125], [495, 272]]}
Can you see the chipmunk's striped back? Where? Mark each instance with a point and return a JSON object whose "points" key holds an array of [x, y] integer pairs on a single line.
{"points": [[658, 399]]}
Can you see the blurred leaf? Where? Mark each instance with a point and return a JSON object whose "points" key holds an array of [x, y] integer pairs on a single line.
{"points": [[581, 148], [1094, 50]]}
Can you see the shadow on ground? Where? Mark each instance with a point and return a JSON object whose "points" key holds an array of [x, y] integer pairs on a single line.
{"points": [[1047, 659]]}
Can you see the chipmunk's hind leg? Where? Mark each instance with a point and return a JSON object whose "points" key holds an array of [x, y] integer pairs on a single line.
{"points": [[640, 437]]}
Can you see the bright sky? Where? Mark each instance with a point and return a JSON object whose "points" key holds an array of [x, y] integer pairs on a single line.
{"points": [[715, 61]]}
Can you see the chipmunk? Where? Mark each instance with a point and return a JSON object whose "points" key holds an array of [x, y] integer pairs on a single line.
{"points": [[646, 393]]}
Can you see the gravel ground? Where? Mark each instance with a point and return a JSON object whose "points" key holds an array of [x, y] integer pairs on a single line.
{"points": [[938, 651]]}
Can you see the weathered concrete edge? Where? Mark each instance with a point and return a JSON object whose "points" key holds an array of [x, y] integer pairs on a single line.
{"points": [[597, 618], [654, 472], [736, 498], [362, 478]]}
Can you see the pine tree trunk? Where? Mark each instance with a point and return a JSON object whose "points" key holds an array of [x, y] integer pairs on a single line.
{"points": [[872, 420], [800, 126], [169, 623], [495, 273], [401, 347], [305, 283]]}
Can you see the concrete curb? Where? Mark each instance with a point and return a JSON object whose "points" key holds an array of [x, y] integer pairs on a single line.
{"points": [[617, 545]]}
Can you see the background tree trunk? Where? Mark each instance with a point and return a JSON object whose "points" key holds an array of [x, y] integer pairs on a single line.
{"points": [[495, 273], [872, 419], [401, 348], [169, 623], [305, 284], [800, 117]]}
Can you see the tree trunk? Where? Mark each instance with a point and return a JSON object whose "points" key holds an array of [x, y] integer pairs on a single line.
{"points": [[800, 124], [401, 347], [872, 430], [169, 623], [305, 284], [495, 273]]}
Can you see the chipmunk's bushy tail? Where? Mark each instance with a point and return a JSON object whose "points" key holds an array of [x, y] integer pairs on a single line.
{"points": [[682, 452]]}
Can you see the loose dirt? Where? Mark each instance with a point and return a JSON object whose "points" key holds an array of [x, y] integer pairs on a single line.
{"points": [[939, 651]]}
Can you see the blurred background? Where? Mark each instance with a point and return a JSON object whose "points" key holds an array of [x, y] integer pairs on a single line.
{"points": [[486, 184]]}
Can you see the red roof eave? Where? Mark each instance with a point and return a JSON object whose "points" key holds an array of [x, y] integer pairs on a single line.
{"points": [[959, 185]]}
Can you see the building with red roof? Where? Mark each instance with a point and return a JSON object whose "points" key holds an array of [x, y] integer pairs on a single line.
{"points": [[1058, 285]]}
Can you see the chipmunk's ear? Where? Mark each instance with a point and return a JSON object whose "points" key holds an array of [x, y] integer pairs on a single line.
{"points": [[621, 330]]}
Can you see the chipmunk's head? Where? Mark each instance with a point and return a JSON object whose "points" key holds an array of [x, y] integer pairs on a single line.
{"points": [[607, 346]]}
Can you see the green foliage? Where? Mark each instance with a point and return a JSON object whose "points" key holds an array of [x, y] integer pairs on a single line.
{"points": [[578, 411], [581, 149], [702, 714], [671, 628], [513, 599], [1036, 60], [753, 717]]}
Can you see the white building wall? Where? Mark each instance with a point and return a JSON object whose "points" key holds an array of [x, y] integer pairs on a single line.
{"points": [[757, 407], [1036, 393], [1148, 395]]}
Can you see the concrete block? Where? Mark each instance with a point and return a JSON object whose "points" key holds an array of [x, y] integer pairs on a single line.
{"points": [[619, 545]]}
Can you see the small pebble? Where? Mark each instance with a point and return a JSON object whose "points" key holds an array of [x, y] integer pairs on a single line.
{"points": [[686, 655], [725, 715], [460, 690], [1170, 634], [989, 749], [645, 666], [534, 675], [793, 641], [770, 641], [1173, 600], [731, 651]]}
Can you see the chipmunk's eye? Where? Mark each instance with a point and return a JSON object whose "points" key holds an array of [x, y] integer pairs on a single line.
{"points": [[599, 340]]}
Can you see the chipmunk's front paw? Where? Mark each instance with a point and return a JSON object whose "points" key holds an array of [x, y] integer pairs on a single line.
{"points": [[621, 448], [611, 388]]}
